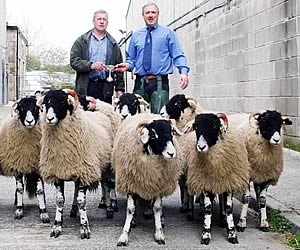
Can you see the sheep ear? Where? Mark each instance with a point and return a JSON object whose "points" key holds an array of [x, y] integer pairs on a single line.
{"points": [[142, 102], [287, 121], [163, 112], [144, 135]]}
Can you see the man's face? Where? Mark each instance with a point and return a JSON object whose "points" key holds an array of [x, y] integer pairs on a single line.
{"points": [[150, 15], [100, 22]]}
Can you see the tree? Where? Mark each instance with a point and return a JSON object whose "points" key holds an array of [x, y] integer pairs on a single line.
{"points": [[33, 62]]}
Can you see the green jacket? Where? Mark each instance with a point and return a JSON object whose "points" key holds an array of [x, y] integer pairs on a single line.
{"points": [[79, 61]]}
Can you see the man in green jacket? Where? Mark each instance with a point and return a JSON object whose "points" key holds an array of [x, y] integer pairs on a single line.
{"points": [[90, 54]]}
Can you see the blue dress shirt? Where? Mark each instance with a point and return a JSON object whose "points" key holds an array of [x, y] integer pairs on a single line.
{"points": [[166, 52], [97, 53]]}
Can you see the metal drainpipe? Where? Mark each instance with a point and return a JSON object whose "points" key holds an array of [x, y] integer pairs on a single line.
{"points": [[17, 66]]}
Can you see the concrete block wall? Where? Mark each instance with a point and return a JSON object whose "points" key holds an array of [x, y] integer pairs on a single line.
{"points": [[3, 51], [244, 54]]}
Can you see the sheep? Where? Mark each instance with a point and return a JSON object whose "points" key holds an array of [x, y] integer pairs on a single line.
{"points": [[182, 109], [20, 152], [264, 144], [147, 161], [75, 146], [108, 199], [130, 104], [217, 163]]}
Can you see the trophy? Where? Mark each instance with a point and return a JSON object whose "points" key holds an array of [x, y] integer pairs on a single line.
{"points": [[110, 69]]}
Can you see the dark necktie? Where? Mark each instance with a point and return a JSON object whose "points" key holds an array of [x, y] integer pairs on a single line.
{"points": [[148, 50]]}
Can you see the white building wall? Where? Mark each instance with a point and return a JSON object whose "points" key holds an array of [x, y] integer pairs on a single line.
{"points": [[244, 54]]}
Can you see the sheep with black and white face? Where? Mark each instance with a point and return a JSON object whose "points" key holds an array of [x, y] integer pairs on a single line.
{"points": [[147, 161], [217, 163], [75, 146], [20, 153], [262, 134]]}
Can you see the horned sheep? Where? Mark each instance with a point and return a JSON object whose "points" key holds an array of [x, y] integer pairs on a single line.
{"points": [[20, 153], [147, 161], [262, 134], [75, 146], [217, 163]]}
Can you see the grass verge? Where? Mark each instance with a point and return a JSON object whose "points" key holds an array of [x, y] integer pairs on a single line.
{"points": [[280, 224]]}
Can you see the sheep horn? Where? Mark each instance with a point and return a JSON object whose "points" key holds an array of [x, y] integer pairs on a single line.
{"points": [[142, 101], [72, 93], [174, 127], [254, 116], [224, 118], [192, 102]]}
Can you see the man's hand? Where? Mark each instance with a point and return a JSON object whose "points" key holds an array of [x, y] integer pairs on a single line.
{"points": [[119, 93], [98, 66], [184, 81], [122, 67]]}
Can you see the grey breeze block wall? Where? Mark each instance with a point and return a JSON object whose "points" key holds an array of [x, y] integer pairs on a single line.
{"points": [[244, 55]]}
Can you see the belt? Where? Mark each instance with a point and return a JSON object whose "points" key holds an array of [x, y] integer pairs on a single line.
{"points": [[150, 77]]}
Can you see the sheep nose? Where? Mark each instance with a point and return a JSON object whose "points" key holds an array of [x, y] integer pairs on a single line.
{"points": [[170, 154], [50, 119], [124, 116], [201, 148], [29, 122]]}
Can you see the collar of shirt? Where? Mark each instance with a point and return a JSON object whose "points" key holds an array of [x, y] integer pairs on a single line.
{"points": [[98, 38]]}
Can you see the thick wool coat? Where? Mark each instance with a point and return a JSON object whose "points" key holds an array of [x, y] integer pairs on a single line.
{"points": [[147, 175], [223, 168], [266, 160], [19, 147], [78, 147]]}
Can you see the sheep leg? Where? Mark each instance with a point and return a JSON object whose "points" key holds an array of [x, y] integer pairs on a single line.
{"points": [[190, 208], [133, 221], [206, 234], [232, 236], [222, 213], [40, 194], [74, 209], [243, 217], [183, 194], [261, 195], [19, 196], [123, 240], [157, 210], [85, 231], [60, 201], [102, 203]]}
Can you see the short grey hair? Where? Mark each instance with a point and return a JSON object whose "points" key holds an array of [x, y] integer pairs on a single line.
{"points": [[150, 4], [100, 12]]}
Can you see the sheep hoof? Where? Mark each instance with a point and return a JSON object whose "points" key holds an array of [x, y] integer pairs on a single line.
{"points": [[205, 241], [19, 214], [74, 211], [123, 240], [114, 205], [264, 229], [190, 215], [109, 213], [85, 232], [233, 240], [56, 231], [45, 217], [240, 228], [102, 204], [159, 237]]}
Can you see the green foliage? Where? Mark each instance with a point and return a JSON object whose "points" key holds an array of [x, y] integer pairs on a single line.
{"points": [[294, 242], [33, 62], [292, 144], [278, 223], [62, 85]]}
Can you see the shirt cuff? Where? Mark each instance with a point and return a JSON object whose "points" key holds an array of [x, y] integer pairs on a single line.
{"points": [[183, 71]]}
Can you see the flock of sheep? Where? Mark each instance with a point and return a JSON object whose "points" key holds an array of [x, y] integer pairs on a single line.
{"points": [[123, 147]]}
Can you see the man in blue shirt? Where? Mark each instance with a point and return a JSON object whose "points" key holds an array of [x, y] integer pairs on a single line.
{"points": [[89, 55], [151, 55]]}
